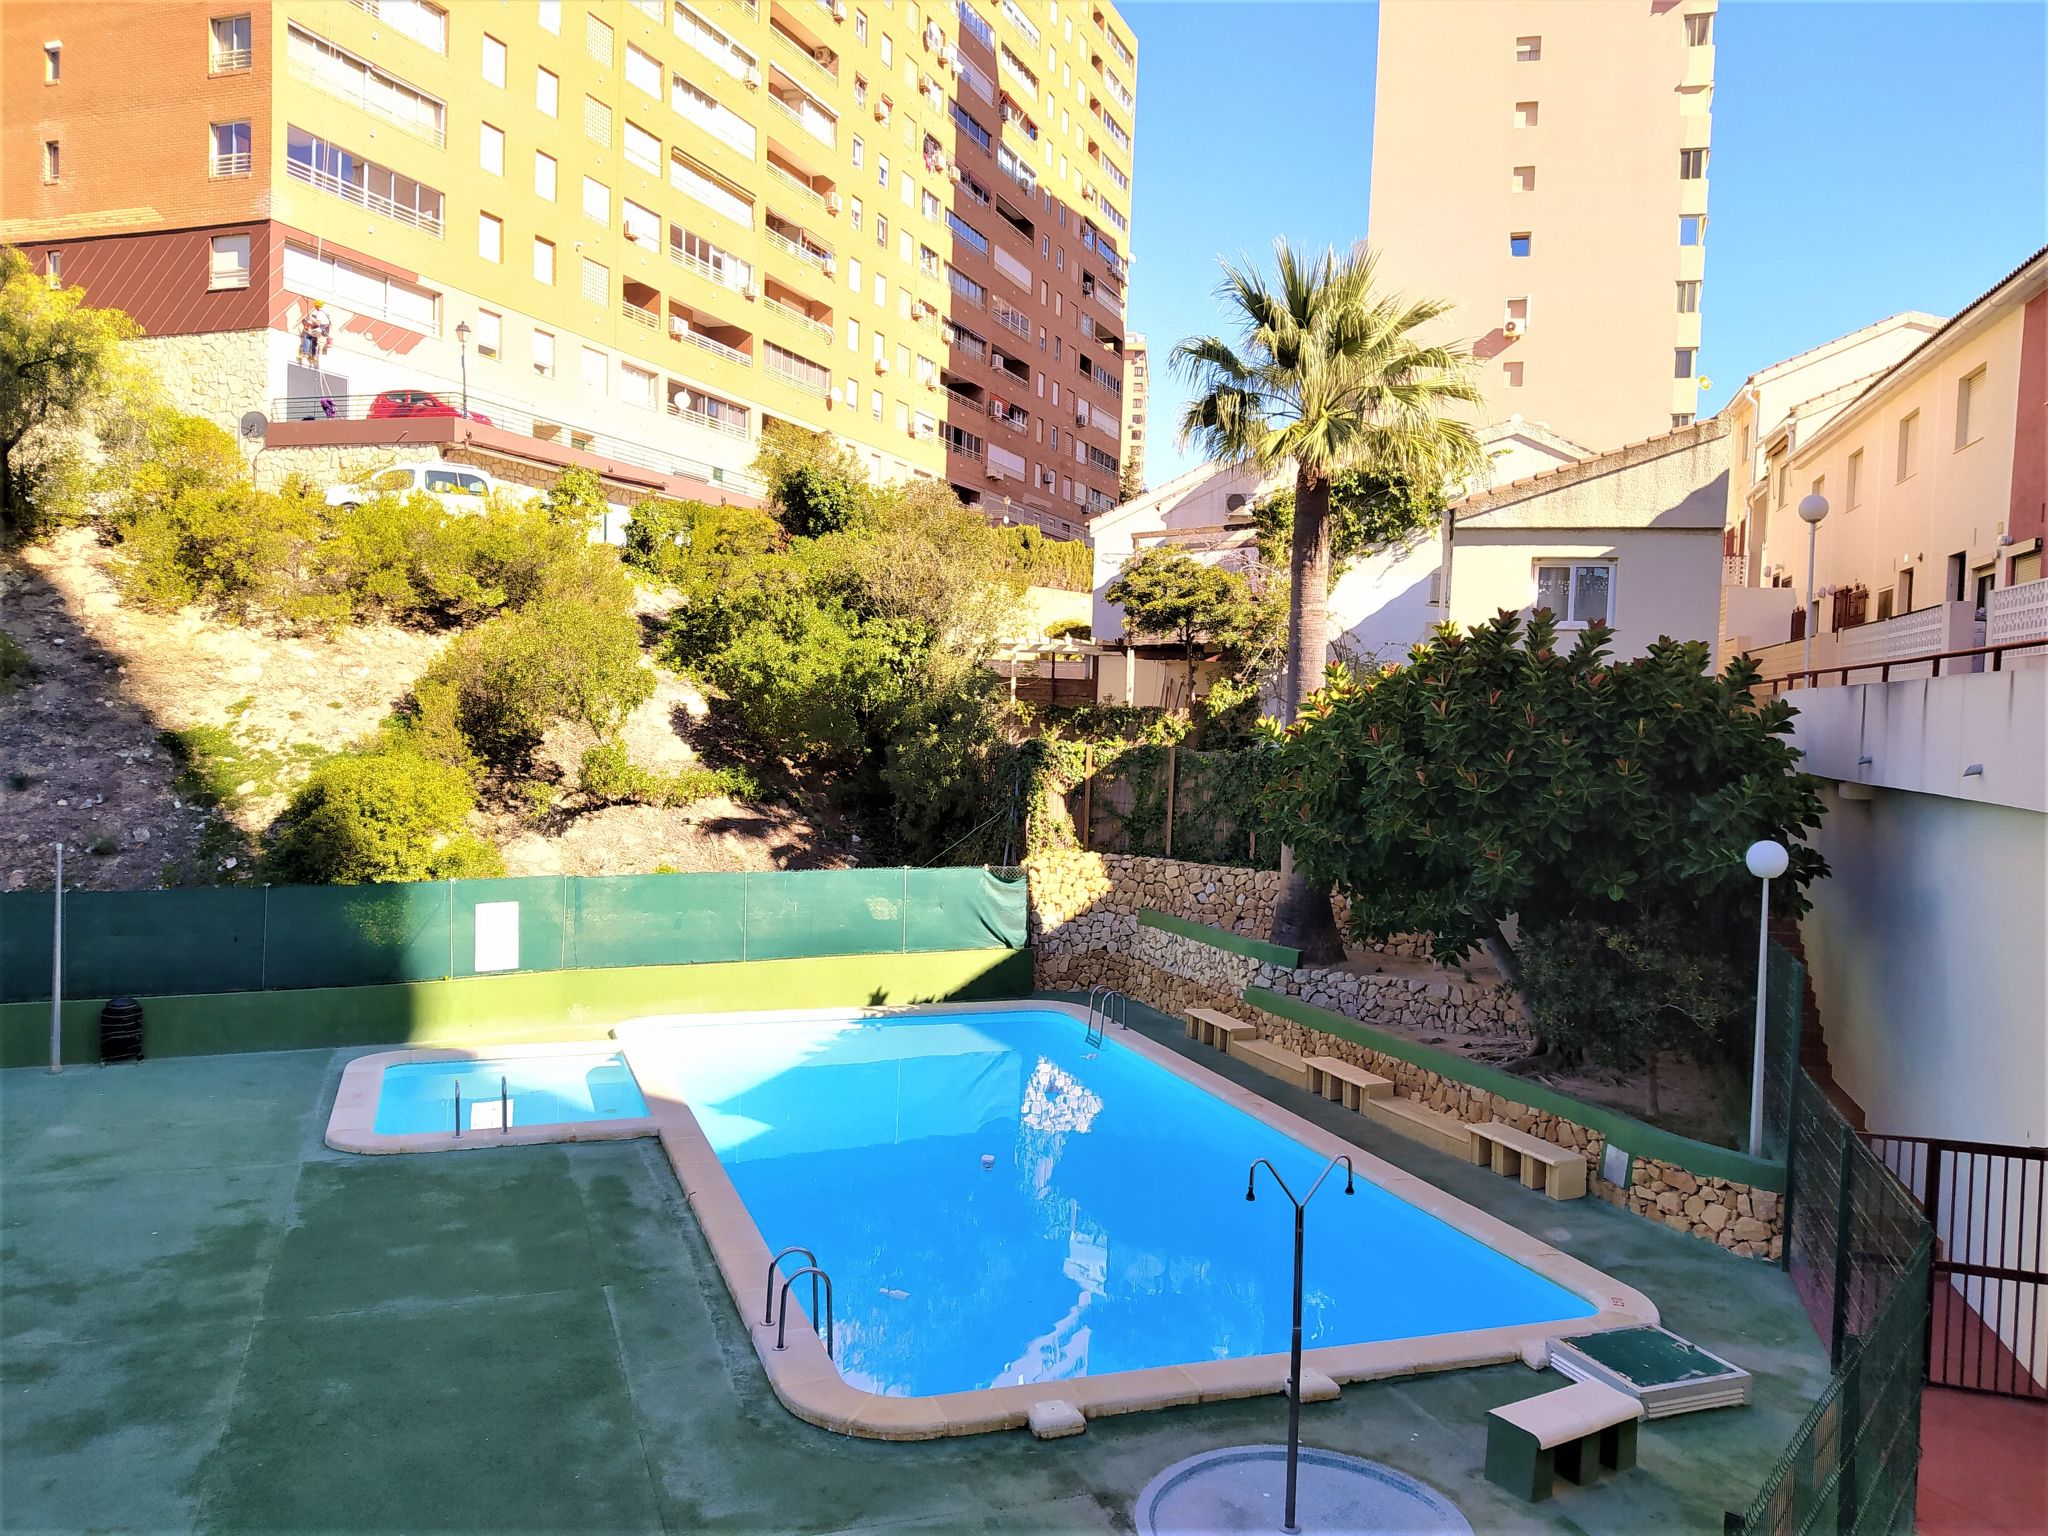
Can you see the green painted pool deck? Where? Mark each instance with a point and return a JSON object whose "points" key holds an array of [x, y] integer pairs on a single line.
{"points": [[209, 1321]]}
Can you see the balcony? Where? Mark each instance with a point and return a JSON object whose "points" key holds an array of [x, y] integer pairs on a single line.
{"points": [[797, 371], [802, 318], [236, 164], [796, 104], [800, 185], [791, 240], [730, 426], [825, 70], [1015, 270], [639, 315], [357, 193]]}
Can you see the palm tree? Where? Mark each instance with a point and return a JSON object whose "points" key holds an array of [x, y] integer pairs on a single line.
{"points": [[1326, 374]]}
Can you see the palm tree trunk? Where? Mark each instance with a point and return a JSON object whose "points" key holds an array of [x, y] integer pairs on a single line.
{"points": [[1302, 918]]}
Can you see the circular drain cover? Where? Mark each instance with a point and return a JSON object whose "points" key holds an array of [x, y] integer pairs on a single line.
{"points": [[1244, 1488]]}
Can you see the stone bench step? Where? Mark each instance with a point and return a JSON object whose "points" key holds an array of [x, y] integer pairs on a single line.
{"points": [[1217, 1030], [1418, 1122], [1273, 1060], [1560, 1172], [1349, 1084]]}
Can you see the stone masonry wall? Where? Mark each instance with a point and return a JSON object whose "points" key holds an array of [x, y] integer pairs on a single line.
{"points": [[1084, 924], [215, 374]]}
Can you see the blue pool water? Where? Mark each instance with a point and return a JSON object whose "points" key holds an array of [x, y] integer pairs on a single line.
{"points": [[537, 1090], [1111, 1232]]}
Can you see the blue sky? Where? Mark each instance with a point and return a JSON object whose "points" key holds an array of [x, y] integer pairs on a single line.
{"points": [[1868, 158]]}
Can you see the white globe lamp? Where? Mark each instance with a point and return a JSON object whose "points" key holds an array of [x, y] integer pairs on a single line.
{"points": [[1766, 860]]}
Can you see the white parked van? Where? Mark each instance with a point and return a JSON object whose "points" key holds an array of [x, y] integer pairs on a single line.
{"points": [[458, 487]]}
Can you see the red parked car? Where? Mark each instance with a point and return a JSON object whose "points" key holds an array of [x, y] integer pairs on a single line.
{"points": [[394, 403]]}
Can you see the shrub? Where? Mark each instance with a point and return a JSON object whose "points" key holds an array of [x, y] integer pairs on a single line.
{"points": [[576, 500], [610, 777], [164, 454], [383, 814], [232, 547], [1068, 564], [813, 501]]}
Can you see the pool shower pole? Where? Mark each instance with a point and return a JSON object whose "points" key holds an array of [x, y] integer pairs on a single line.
{"points": [[57, 968], [1294, 1348]]}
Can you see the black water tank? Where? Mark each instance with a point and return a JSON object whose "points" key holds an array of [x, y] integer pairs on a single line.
{"points": [[121, 1031]]}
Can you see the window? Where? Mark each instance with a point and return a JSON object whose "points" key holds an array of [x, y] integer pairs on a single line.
{"points": [[1692, 164], [53, 269], [594, 370], [53, 159], [854, 211], [228, 266], [551, 21], [597, 39], [860, 26], [1689, 297], [1909, 443], [547, 92], [494, 62], [1966, 393], [1518, 245], [1525, 178], [227, 44], [1699, 30], [859, 152], [344, 174], [491, 150], [53, 63], [361, 83], [888, 50], [597, 201], [597, 281], [325, 276], [852, 334], [1525, 114], [1518, 311], [230, 149], [490, 237], [881, 231], [1511, 374], [1576, 594], [1692, 229], [490, 333], [543, 261], [1528, 50], [636, 386], [423, 22], [642, 225], [882, 170], [642, 148], [543, 175], [643, 73], [544, 353], [1681, 419], [1855, 478], [1683, 361]]}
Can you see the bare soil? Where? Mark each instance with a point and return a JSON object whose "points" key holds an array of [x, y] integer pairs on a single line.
{"points": [[82, 762]]}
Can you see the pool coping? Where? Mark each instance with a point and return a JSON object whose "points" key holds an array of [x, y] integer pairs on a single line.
{"points": [[352, 1126], [807, 1382]]}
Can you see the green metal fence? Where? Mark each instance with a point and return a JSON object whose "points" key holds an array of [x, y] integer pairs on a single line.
{"points": [[1858, 1250], [1784, 1011], [260, 938]]}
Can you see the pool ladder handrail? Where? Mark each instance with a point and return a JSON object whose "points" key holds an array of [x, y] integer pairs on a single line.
{"points": [[779, 1316], [1113, 1006], [504, 1107]]}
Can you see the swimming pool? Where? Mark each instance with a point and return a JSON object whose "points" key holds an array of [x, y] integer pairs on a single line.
{"points": [[502, 1092], [1000, 1204]]}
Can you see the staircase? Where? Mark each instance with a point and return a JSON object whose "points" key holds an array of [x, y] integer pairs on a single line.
{"points": [[1813, 1044]]}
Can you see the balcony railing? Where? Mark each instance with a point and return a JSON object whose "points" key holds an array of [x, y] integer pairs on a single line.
{"points": [[820, 127], [640, 316], [797, 316], [802, 189], [236, 164], [348, 191], [798, 249], [803, 55], [226, 61], [799, 372], [699, 418], [698, 339], [736, 281], [430, 129]]}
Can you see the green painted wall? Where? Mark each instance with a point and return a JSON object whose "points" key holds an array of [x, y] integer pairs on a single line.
{"points": [[1219, 938], [1633, 1136], [522, 1006]]}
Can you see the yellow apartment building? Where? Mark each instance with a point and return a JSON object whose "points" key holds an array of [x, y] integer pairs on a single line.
{"points": [[1542, 164], [625, 232], [1137, 396]]}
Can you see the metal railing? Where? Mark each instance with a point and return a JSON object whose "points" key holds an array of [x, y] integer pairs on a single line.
{"points": [[802, 53], [1988, 1286], [511, 417], [777, 1318], [640, 315], [800, 187], [812, 120], [227, 61], [705, 419], [797, 317], [800, 372], [710, 273], [237, 163], [797, 248], [697, 338], [1840, 670], [362, 197], [434, 132]]}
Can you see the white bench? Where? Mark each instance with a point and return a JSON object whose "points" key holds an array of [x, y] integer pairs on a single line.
{"points": [[1218, 1030], [1529, 1442], [1273, 1060], [1418, 1122], [1560, 1172], [1335, 1078]]}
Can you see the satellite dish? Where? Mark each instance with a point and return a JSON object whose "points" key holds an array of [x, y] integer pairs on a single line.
{"points": [[254, 425]]}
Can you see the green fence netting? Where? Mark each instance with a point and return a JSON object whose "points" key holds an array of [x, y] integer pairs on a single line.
{"points": [[1784, 1011], [241, 939], [1859, 1251]]}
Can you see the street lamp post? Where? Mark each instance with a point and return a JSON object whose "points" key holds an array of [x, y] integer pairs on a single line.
{"points": [[1811, 510], [1294, 1349], [1767, 860], [462, 341]]}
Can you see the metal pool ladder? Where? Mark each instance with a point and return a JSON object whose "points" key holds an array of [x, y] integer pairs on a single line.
{"points": [[504, 1107], [1104, 1005], [778, 1316]]}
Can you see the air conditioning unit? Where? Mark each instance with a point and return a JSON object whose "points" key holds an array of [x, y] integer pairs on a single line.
{"points": [[839, 10], [750, 293], [952, 173], [1048, 476], [952, 58], [676, 326], [1511, 329], [1087, 194], [832, 202], [1080, 418], [822, 57], [996, 359], [753, 79], [993, 471], [881, 111], [994, 409], [831, 267]]}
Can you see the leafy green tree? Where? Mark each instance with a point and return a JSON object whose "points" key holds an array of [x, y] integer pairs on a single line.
{"points": [[1169, 592], [1130, 483], [815, 484], [814, 502], [576, 498], [159, 454], [1327, 373], [60, 361], [381, 814], [1494, 777], [1370, 513]]}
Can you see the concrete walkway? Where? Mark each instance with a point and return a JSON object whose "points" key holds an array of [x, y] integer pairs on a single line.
{"points": [[209, 1321]]}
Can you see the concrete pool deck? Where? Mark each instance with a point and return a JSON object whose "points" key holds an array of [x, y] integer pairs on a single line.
{"points": [[208, 1320]]}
